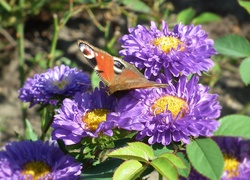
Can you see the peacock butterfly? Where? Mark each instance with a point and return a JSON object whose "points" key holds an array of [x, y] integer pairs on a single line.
{"points": [[116, 73]]}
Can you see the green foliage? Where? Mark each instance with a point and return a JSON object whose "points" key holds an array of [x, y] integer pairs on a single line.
{"points": [[233, 46], [186, 16], [244, 71], [136, 5], [233, 126], [206, 157], [245, 4], [29, 132], [166, 164], [206, 17], [237, 47]]}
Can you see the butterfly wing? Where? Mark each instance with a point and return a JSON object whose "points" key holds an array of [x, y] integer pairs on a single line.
{"points": [[99, 60]]}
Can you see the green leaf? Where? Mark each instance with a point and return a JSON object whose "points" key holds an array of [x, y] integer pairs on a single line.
{"points": [[174, 159], [128, 170], [147, 149], [244, 71], [186, 15], [234, 125], [205, 18], [29, 131], [136, 5], [233, 45], [103, 170], [184, 172], [165, 168], [95, 80], [160, 149], [245, 4], [130, 152], [206, 157]]}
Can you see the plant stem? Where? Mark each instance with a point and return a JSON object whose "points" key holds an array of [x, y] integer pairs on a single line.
{"points": [[54, 42], [20, 41]]}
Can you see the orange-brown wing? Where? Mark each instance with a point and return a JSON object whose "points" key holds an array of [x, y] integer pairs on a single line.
{"points": [[100, 61], [130, 80]]}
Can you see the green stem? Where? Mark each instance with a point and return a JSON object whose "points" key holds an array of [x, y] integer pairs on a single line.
{"points": [[54, 42], [57, 28], [20, 43], [47, 117]]}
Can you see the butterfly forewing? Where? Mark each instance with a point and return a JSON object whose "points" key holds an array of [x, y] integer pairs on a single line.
{"points": [[99, 60]]}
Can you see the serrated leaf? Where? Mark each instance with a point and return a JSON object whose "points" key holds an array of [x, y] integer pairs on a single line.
{"points": [[130, 152], [165, 168], [136, 5], [206, 157], [245, 4], [245, 71], [234, 125], [147, 149], [233, 45], [205, 18], [186, 15], [29, 131], [184, 172], [174, 159], [128, 170]]}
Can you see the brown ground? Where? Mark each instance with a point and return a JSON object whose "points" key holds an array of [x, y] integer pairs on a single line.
{"points": [[233, 95]]}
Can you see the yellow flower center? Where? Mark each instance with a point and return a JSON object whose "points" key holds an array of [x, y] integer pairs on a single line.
{"points": [[94, 118], [60, 84], [168, 43], [231, 166], [172, 103], [36, 169]]}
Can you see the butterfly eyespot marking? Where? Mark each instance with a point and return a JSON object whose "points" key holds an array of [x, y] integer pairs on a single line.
{"points": [[118, 66], [87, 51]]}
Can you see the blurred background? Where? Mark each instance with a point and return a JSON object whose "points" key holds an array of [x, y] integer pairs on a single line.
{"points": [[35, 35]]}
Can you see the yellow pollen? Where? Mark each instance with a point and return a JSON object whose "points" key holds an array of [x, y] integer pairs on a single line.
{"points": [[36, 169], [172, 103], [168, 43], [231, 166], [94, 118], [61, 84]]}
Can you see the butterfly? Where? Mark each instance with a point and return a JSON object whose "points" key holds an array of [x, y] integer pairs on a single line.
{"points": [[116, 73]]}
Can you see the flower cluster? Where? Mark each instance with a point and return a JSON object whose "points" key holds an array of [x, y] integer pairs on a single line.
{"points": [[182, 110], [54, 85], [37, 160]]}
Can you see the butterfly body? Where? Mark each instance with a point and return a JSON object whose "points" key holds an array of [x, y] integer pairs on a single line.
{"points": [[116, 73]]}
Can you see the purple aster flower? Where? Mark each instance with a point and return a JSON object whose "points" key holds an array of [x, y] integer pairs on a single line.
{"points": [[182, 109], [184, 50], [53, 85], [37, 160], [236, 154], [84, 116]]}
